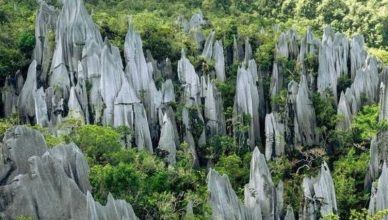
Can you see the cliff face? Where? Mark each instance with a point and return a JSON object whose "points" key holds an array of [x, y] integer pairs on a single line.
{"points": [[76, 74]]}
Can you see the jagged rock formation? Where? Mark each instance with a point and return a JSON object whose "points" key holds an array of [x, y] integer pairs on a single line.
{"points": [[260, 193], [247, 104], [379, 144], [49, 184], [274, 136], [194, 27], [383, 115], [218, 56], [333, 57], [319, 195], [262, 199], [379, 195], [214, 111], [343, 110], [167, 140], [289, 214], [305, 120], [224, 201]]}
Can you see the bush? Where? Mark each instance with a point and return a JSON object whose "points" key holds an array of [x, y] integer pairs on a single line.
{"points": [[348, 176], [96, 141]]}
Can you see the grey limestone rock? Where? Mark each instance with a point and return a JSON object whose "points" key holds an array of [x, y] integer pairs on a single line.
{"points": [[343, 110], [366, 83], [168, 94], [379, 195], [114, 209], [19, 144], [378, 156], [207, 52], [305, 116], [214, 111], [75, 109], [308, 46], [123, 110], [319, 195], [112, 75], [247, 51], [60, 81], [81, 93], [74, 29], [140, 77], [188, 78], [291, 123], [260, 193], [289, 214], [218, 56], [91, 59], [383, 115], [141, 128], [49, 184], [247, 102], [167, 140], [197, 20], [45, 26], [41, 113], [9, 98], [274, 136], [26, 102], [333, 59], [357, 54], [224, 201]]}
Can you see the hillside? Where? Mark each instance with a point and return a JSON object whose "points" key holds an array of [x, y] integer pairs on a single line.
{"points": [[194, 109]]}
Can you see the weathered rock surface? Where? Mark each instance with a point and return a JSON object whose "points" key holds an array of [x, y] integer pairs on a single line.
{"points": [[379, 195], [289, 214], [224, 201], [247, 103], [305, 126], [26, 101], [343, 110], [167, 140], [378, 156], [383, 114], [218, 56], [260, 193], [274, 136], [214, 111], [49, 184], [319, 195]]}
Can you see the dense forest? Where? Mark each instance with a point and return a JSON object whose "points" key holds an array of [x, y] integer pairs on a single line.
{"points": [[285, 97]]}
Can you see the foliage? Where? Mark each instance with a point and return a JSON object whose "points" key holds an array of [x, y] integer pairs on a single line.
{"points": [[360, 215], [96, 141], [365, 124], [7, 123], [23, 217], [380, 54], [280, 168], [237, 172], [17, 35], [348, 175]]}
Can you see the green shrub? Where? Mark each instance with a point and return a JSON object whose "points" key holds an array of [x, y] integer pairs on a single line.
{"points": [[96, 141]]}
